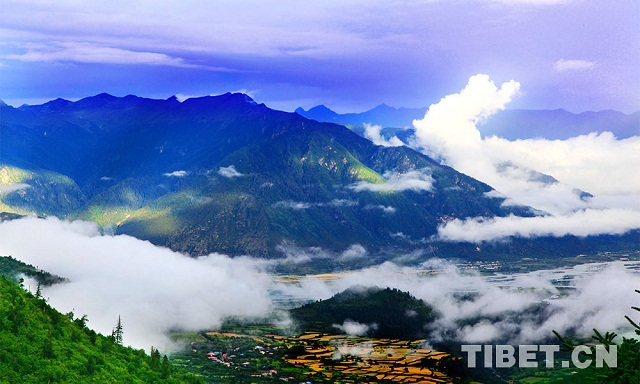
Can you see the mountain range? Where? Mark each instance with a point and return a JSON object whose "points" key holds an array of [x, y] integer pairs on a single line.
{"points": [[511, 124], [226, 174]]}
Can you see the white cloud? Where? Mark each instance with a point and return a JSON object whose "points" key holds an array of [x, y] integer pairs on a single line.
{"points": [[294, 254], [448, 129], [580, 223], [8, 188], [340, 203], [152, 288], [372, 132], [300, 255], [156, 290], [384, 208], [83, 52], [176, 174], [596, 163], [412, 180], [299, 205], [360, 349], [573, 65], [354, 252], [229, 172], [353, 328], [500, 309]]}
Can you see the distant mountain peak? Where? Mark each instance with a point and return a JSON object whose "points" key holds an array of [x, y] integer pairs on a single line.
{"points": [[320, 113], [98, 100], [321, 107], [57, 104], [383, 106], [102, 96]]}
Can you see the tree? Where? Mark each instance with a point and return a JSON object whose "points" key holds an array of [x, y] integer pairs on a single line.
{"points": [[117, 332], [166, 367], [38, 291], [634, 324], [628, 355], [155, 359]]}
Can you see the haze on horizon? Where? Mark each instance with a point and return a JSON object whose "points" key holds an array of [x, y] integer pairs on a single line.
{"points": [[571, 54]]}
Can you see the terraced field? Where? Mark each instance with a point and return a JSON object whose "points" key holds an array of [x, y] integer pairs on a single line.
{"points": [[383, 360]]}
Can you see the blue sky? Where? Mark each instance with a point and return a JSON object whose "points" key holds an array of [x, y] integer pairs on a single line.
{"points": [[349, 55]]}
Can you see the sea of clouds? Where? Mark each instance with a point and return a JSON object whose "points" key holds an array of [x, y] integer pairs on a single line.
{"points": [[156, 290]]}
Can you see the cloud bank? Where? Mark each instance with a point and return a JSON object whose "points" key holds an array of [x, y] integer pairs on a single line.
{"points": [[519, 308], [519, 170], [580, 223], [154, 289]]}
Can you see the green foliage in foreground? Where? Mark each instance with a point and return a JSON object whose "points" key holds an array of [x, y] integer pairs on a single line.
{"points": [[41, 345], [626, 372], [14, 269]]}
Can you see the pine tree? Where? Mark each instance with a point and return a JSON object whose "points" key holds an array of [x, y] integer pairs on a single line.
{"points": [[38, 291], [155, 359], [166, 367], [633, 323], [117, 332]]}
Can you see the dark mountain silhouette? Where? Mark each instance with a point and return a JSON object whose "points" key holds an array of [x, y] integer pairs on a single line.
{"points": [[225, 174]]}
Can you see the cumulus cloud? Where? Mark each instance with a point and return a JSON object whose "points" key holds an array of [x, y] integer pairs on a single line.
{"points": [[548, 175], [229, 172], [573, 65], [373, 133], [154, 289], [353, 328], [450, 124], [412, 180]]}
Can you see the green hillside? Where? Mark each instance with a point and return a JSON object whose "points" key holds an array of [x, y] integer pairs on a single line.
{"points": [[41, 345], [389, 313]]}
